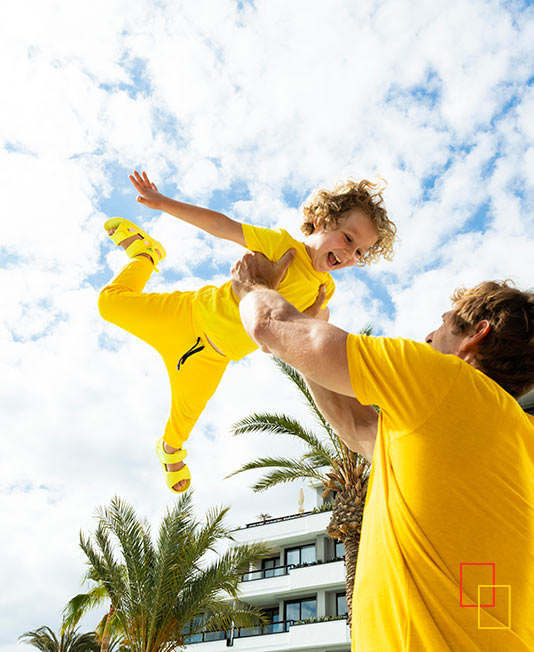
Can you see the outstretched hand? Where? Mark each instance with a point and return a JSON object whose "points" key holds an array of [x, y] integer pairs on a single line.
{"points": [[254, 271], [148, 192]]}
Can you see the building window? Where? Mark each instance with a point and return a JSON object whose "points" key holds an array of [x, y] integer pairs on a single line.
{"points": [[339, 550], [341, 604], [273, 625], [300, 555], [300, 609], [268, 567]]}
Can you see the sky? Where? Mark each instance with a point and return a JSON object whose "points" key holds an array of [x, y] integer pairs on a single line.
{"points": [[245, 107]]}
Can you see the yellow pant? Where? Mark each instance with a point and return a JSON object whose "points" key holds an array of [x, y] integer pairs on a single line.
{"points": [[166, 322]]}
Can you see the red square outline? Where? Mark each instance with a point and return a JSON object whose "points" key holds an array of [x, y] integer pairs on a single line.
{"points": [[461, 578]]}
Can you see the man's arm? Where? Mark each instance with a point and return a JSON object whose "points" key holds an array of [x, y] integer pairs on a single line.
{"points": [[214, 223], [354, 423], [315, 348]]}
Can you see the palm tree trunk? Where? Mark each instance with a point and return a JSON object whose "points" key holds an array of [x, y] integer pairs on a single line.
{"points": [[352, 545], [106, 635], [345, 525]]}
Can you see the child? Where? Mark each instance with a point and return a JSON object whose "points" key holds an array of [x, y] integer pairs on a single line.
{"points": [[198, 333]]}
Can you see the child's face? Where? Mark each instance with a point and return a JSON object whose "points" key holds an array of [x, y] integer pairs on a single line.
{"points": [[345, 245]]}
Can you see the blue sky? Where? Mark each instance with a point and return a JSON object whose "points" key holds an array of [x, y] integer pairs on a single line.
{"points": [[245, 107]]}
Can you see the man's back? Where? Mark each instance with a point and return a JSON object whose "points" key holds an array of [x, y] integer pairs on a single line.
{"points": [[446, 559]]}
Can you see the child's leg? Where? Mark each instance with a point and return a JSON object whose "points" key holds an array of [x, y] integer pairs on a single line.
{"points": [[194, 377], [165, 321], [157, 318], [193, 382]]}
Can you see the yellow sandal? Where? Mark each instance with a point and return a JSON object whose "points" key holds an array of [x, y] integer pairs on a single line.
{"points": [[125, 229], [172, 477]]}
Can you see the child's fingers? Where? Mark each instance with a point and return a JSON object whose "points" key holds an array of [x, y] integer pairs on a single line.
{"points": [[138, 186], [315, 309], [286, 259]]}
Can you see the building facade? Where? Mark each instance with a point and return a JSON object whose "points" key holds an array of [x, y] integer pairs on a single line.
{"points": [[300, 587]]}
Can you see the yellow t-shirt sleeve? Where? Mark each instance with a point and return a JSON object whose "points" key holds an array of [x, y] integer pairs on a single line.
{"points": [[266, 241], [406, 379]]}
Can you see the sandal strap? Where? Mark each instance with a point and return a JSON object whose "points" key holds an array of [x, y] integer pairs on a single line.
{"points": [[147, 245], [172, 477], [169, 458], [141, 247]]}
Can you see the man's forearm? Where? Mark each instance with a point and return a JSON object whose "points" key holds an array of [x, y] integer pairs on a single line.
{"points": [[354, 423]]}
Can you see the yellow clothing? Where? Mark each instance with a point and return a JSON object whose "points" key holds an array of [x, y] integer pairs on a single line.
{"points": [[451, 493], [177, 323], [217, 309], [166, 322]]}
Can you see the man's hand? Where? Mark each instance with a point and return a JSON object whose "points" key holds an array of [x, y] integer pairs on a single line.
{"points": [[254, 271], [148, 192]]}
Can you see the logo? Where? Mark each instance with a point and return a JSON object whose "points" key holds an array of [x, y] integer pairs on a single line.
{"points": [[489, 594]]}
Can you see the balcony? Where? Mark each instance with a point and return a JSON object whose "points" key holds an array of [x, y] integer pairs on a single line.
{"points": [[290, 580], [284, 531], [263, 573], [324, 635]]}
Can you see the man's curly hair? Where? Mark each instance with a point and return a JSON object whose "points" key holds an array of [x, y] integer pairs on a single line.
{"points": [[506, 354], [327, 208]]}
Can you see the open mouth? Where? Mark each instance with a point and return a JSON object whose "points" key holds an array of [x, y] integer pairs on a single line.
{"points": [[333, 259]]}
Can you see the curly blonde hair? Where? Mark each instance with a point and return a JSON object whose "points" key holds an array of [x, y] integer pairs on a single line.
{"points": [[327, 208]]}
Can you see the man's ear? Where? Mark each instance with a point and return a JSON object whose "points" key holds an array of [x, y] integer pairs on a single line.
{"points": [[472, 340]]}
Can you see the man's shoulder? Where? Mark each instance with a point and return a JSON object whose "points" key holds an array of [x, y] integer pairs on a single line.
{"points": [[403, 346]]}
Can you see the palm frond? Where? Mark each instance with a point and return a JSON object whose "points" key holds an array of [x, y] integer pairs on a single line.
{"points": [[121, 519], [44, 639], [82, 603], [281, 424], [173, 565], [280, 475], [268, 462]]}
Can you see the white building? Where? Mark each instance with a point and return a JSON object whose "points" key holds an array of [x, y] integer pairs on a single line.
{"points": [[301, 588]]}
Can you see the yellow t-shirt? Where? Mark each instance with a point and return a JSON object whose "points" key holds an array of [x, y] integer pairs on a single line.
{"points": [[450, 506], [216, 310]]}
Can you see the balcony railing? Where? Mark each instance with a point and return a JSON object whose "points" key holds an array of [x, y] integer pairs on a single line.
{"points": [[204, 637], [260, 630], [257, 630], [261, 574], [278, 571], [241, 632], [326, 507]]}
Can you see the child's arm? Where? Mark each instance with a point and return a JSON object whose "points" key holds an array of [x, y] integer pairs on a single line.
{"points": [[214, 223]]}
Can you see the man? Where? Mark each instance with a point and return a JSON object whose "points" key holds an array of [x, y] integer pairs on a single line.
{"points": [[446, 558]]}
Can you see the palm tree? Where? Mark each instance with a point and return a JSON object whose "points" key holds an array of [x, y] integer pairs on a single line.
{"points": [[343, 473], [69, 640], [162, 593], [108, 630]]}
